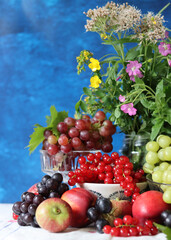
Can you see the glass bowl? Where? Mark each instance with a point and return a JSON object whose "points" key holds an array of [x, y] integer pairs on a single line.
{"points": [[161, 187], [61, 162], [111, 191]]}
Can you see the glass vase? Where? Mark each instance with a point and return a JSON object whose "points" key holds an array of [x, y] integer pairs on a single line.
{"points": [[61, 162], [134, 148]]}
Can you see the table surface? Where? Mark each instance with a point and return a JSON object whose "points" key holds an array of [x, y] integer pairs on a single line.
{"points": [[10, 230]]}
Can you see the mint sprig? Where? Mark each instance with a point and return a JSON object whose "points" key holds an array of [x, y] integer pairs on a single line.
{"points": [[52, 121], [164, 229]]}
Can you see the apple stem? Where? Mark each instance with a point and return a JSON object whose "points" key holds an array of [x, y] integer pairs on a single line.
{"points": [[56, 210]]}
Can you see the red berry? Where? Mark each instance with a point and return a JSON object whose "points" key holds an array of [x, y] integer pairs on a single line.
{"points": [[109, 175], [101, 176], [82, 160], [127, 220], [136, 190], [124, 232], [148, 223], [98, 155], [140, 228], [90, 157], [135, 195], [127, 193], [146, 230], [114, 155], [108, 181], [15, 216], [129, 165], [129, 179], [71, 182], [107, 229], [123, 184], [108, 168], [115, 232], [154, 230], [133, 231], [117, 222], [80, 179], [130, 186]]}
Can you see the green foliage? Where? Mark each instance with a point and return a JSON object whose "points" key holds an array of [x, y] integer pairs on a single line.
{"points": [[164, 229], [52, 121]]}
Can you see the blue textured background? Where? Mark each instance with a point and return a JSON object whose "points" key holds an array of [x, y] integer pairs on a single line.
{"points": [[39, 42]]}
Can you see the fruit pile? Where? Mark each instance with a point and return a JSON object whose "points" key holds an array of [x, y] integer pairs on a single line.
{"points": [[49, 187], [80, 134], [158, 163], [103, 168]]}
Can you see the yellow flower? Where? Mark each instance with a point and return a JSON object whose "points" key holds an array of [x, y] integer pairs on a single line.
{"points": [[153, 20], [86, 54], [103, 36], [94, 64], [86, 99], [95, 81]]}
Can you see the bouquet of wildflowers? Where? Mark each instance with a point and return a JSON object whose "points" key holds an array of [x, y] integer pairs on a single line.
{"points": [[133, 83]]}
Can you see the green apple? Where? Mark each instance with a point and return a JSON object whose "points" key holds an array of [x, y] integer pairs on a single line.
{"points": [[54, 215]]}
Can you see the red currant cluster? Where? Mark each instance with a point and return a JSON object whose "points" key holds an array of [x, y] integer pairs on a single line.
{"points": [[98, 168], [128, 226], [80, 134]]}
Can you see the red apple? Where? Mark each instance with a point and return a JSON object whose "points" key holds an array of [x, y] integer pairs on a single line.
{"points": [[80, 200], [121, 207], [54, 215], [33, 189], [149, 205]]}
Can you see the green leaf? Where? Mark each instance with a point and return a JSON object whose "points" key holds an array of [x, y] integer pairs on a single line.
{"points": [[132, 53], [36, 138], [77, 105], [83, 106], [168, 117], [100, 93], [52, 121], [117, 113], [87, 91], [156, 128], [164, 229], [159, 90]]}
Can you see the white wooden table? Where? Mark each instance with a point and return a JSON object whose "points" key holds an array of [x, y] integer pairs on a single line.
{"points": [[10, 230]]}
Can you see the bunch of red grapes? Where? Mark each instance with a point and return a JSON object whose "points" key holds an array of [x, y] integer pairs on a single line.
{"points": [[114, 169], [81, 134]]}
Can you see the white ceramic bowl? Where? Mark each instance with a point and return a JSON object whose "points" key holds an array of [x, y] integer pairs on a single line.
{"points": [[111, 191]]}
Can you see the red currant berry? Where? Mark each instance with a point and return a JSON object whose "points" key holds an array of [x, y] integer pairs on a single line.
{"points": [[127, 220], [138, 175], [107, 229], [101, 176], [71, 174], [114, 155], [82, 160], [140, 228], [120, 178], [123, 184], [108, 168], [133, 231], [117, 222], [148, 223], [141, 171], [98, 155], [71, 181], [80, 179], [129, 165], [135, 195], [154, 230], [134, 221], [130, 186], [100, 169], [124, 232], [136, 190], [146, 230], [108, 181], [127, 172], [127, 193], [15, 216], [109, 175], [90, 157], [115, 232], [129, 179]]}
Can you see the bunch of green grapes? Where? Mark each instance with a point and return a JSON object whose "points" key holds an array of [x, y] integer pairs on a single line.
{"points": [[158, 163]]}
